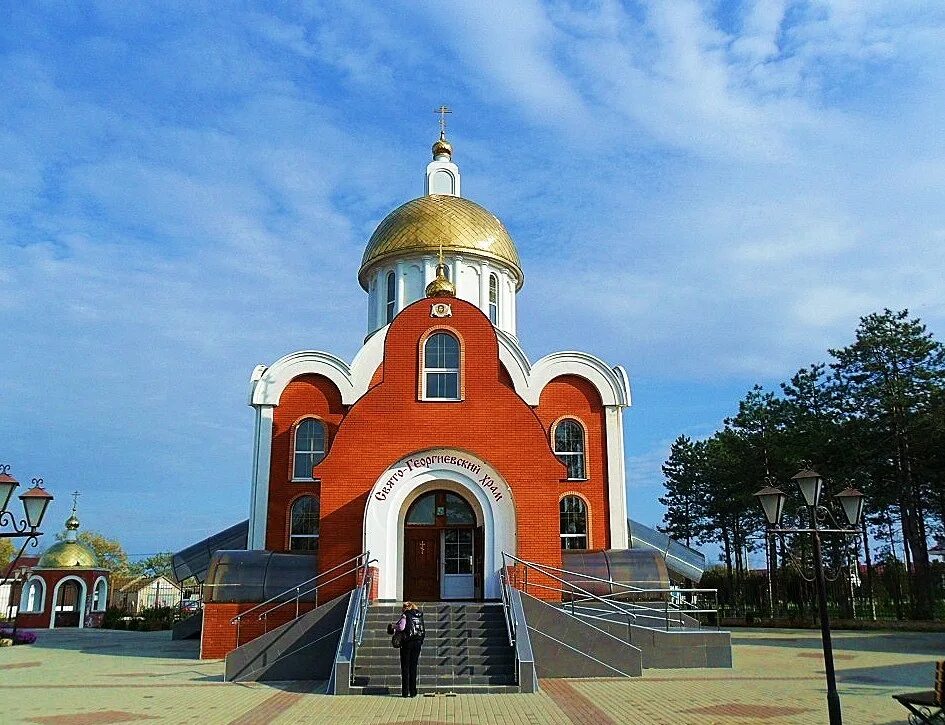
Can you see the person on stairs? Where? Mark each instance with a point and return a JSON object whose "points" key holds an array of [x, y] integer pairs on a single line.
{"points": [[411, 624]]}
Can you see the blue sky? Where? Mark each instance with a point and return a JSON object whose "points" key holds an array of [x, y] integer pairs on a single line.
{"points": [[709, 194]]}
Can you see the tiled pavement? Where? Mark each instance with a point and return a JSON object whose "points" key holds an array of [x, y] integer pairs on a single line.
{"points": [[92, 677]]}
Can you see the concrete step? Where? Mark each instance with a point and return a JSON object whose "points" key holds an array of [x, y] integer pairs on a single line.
{"points": [[432, 684], [388, 670]]}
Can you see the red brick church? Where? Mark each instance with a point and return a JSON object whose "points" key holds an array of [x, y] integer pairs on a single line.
{"points": [[441, 445]]}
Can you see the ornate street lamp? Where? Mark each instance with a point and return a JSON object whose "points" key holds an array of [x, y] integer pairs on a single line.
{"points": [[35, 502], [772, 501]]}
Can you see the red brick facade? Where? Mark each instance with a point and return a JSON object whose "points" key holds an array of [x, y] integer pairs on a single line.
{"points": [[51, 577], [390, 422]]}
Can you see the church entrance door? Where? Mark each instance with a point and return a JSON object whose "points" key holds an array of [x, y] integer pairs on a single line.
{"points": [[67, 604], [421, 570], [441, 561]]}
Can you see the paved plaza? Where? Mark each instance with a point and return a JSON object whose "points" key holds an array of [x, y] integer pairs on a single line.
{"points": [[87, 677]]}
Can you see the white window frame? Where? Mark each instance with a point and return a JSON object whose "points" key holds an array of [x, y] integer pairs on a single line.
{"points": [[296, 451], [582, 454], [494, 299], [28, 607], [293, 536], [587, 517], [455, 371], [390, 297]]}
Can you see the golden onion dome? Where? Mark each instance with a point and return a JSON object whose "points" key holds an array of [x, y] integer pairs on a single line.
{"points": [[441, 285], [441, 146], [424, 225], [67, 555]]}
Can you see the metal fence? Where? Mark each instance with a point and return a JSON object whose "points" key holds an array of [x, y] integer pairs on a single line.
{"points": [[887, 592]]}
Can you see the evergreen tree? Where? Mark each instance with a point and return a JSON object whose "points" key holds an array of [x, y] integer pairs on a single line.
{"points": [[684, 519]]}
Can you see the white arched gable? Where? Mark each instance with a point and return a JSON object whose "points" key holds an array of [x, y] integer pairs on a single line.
{"points": [[268, 388], [529, 380], [267, 384]]}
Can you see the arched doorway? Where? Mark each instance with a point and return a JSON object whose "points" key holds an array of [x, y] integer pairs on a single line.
{"points": [[443, 547], [69, 604]]}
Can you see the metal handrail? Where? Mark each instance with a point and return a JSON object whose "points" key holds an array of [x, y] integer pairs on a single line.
{"points": [[237, 620], [622, 608], [504, 587], [360, 613]]}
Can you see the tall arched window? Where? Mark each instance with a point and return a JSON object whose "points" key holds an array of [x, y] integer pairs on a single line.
{"points": [[31, 600], [441, 367], [309, 448], [391, 296], [100, 595], [303, 527], [493, 299], [569, 447], [573, 523]]}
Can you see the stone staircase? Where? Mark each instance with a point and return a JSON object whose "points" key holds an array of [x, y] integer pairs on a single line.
{"points": [[466, 650]]}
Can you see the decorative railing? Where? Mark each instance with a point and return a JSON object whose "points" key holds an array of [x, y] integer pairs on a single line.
{"points": [[640, 605]]}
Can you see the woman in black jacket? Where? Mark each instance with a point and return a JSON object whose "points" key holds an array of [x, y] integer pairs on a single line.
{"points": [[411, 625]]}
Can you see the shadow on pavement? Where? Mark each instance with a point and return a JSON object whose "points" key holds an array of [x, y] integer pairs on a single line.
{"points": [[911, 643], [117, 643]]}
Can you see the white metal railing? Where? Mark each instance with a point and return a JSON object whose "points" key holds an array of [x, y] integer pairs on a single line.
{"points": [[666, 605]]}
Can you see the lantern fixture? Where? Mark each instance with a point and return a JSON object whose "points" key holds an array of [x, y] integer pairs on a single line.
{"points": [[852, 502], [810, 484], [8, 485], [35, 502], [772, 502]]}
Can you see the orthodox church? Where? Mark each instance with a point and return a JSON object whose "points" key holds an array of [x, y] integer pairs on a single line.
{"points": [[68, 587], [439, 449]]}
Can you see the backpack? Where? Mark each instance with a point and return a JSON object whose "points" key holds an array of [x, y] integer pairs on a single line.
{"points": [[415, 629]]}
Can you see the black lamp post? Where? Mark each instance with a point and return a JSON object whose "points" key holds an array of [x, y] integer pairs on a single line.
{"points": [[772, 501], [35, 502]]}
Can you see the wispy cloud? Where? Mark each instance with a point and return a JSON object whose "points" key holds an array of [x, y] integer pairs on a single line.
{"points": [[707, 193]]}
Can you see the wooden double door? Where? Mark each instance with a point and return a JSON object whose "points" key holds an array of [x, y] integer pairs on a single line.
{"points": [[442, 563]]}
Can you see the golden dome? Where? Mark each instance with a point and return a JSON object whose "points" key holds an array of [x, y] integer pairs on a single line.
{"points": [[423, 225], [66, 555], [441, 286], [442, 146]]}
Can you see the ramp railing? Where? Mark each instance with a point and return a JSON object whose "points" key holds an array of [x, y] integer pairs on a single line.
{"points": [[293, 595], [643, 606]]}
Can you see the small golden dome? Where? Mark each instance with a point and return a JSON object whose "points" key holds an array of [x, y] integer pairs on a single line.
{"points": [[423, 225], [72, 523], [441, 286], [441, 146], [66, 555]]}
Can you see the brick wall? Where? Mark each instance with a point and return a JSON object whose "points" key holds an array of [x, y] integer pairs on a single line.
{"points": [[389, 422], [52, 577]]}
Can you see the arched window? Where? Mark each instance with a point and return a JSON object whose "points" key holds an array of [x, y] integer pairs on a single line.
{"points": [[573, 523], [303, 527], [441, 367], [449, 508], [309, 448], [569, 447], [31, 600], [493, 299], [391, 296], [100, 595]]}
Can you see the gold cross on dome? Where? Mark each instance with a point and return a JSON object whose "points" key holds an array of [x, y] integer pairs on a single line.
{"points": [[442, 110], [75, 500]]}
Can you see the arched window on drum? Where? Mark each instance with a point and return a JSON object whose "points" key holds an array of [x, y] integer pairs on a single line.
{"points": [[569, 448], [573, 522], [303, 525], [441, 367], [309, 448], [391, 300], [493, 299]]}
